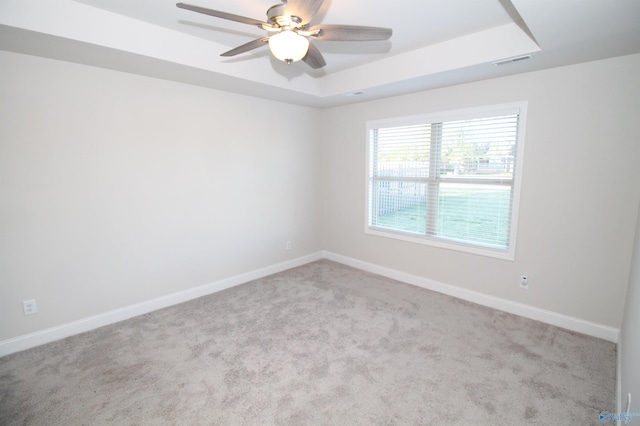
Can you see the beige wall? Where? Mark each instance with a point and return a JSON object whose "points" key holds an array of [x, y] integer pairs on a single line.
{"points": [[579, 196], [630, 336], [116, 189]]}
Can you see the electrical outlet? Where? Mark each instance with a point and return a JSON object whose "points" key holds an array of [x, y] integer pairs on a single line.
{"points": [[287, 245], [29, 307], [524, 282]]}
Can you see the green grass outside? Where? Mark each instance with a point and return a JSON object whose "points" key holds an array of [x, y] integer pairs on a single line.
{"points": [[469, 216]]}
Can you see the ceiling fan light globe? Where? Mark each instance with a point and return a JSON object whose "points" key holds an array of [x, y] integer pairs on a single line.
{"points": [[288, 46]]}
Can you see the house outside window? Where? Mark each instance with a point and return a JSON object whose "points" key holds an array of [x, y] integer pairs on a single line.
{"points": [[449, 179]]}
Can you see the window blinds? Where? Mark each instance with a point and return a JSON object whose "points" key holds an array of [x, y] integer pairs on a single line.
{"points": [[451, 180]]}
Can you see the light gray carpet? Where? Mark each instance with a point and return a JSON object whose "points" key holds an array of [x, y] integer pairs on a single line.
{"points": [[318, 344]]}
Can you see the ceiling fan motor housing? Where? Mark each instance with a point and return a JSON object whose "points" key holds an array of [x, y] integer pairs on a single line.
{"points": [[276, 16]]}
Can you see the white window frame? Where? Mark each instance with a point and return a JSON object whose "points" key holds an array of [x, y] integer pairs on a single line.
{"points": [[460, 114]]}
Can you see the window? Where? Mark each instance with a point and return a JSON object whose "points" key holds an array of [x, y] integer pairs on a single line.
{"points": [[449, 179]]}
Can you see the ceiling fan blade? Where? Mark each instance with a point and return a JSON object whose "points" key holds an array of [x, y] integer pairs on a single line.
{"points": [[223, 15], [314, 58], [350, 33], [247, 47], [303, 9]]}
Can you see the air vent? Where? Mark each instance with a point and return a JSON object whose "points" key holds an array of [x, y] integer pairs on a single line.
{"points": [[512, 60]]}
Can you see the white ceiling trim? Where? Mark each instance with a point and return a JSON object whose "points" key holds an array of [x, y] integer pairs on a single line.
{"points": [[152, 38], [76, 21], [482, 47]]}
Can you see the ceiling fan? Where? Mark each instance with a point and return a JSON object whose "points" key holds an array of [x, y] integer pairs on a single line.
{"points": [[290, 34]]}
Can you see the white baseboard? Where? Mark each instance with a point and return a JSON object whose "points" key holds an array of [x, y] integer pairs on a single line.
{"points": [[38, 338], [548, 317]]}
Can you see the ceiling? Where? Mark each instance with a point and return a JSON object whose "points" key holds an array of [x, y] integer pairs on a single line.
{"points": [[435, 43]]}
